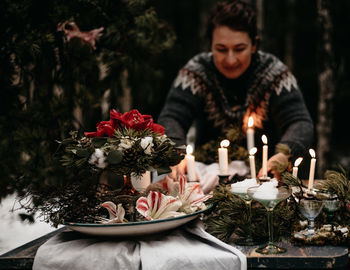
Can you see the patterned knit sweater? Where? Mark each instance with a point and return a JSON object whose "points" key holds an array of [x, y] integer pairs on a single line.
{"points": [[267, 91]]}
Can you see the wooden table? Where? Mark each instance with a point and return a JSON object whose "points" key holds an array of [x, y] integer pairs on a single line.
{"points": [[297, 257], [312, 257], [23, 256]]}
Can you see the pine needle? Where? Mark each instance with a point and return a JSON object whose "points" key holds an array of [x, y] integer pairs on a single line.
{"points": [[337, 182]]}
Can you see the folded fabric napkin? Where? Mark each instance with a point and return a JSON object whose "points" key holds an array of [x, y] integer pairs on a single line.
{"points": [[187, 247]]}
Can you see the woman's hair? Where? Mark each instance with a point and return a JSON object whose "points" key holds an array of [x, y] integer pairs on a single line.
{"points": [[235, 14]]}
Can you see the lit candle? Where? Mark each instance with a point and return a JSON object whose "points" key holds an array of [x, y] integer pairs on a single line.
{"points": [[223, 157], [252, 162], [296, 164], [264, 161], [191, 168], [312, 169], [250, 133]]}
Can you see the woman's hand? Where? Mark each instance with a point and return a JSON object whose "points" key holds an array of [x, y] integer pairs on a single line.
{"points": [[178, 170], [274, 165]]}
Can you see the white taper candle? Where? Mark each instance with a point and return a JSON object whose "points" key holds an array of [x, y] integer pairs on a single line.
{"points": [[265, 155], [296, 164], [250, 134], [223, 157], [191, 165], [312, 169], [252, 162]]}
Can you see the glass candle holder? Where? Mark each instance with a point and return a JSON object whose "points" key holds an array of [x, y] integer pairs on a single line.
{"points": [[270, 200], [310, 208], [241, 192]]}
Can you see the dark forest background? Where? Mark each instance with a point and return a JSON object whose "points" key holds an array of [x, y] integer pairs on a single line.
{"points": [[49, 86]]}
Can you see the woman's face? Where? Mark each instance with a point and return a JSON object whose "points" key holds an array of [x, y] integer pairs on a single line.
{"points": [[232, 51]]}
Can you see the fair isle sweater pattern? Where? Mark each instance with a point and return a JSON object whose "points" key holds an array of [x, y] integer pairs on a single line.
{"points": [[265, 75]]}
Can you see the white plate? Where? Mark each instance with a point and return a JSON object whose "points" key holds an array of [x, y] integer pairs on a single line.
{"points": [[133, 228]]}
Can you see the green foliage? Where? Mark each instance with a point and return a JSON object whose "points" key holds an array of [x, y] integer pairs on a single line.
{"points": [[46, 81], [288, 179], [229, 220], [77, 202], [337, 182], [123, 153]]}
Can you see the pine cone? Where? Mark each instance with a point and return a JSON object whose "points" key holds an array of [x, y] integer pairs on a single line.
{"points": [[130, 157]]}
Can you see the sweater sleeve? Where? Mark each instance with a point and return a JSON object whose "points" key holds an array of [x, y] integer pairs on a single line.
{"points": [[291, 116], [181, 107]]}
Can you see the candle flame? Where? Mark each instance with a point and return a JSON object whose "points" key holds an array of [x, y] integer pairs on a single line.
{"points": [[252, 151], [250, 121], [312, 153], [298, 161], [225, 143], [264, 139], [189, 150]]}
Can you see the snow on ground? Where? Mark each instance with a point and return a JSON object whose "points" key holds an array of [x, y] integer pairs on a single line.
{"points": [[13, 231]]}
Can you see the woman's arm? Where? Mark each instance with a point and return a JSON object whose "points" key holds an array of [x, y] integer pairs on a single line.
{"points": [[181, 108], [290, 115]]}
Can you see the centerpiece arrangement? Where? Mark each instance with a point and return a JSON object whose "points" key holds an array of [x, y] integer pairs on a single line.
{"points": [[127, 144]]}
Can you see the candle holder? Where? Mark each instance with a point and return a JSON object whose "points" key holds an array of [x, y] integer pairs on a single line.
{"points": [[241, 192], [310, 194], [310, 208], [264, 179], [331, 206], [224, 179], [270, 201]]}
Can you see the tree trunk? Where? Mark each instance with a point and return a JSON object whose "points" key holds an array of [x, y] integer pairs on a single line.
{"points": [[77, 111], [289, 37], [126, 100], [260, 17], [105, 101], [326, 86]]}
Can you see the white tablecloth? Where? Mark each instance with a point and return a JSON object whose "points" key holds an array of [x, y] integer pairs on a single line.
{"points": [[188, 247]]}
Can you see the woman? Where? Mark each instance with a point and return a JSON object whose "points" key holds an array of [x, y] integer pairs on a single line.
{"points": [[234, 81]]}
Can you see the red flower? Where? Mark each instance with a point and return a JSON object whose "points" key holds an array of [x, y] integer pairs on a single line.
{"points": [[132, 119], [158, 128], [116, 118], [104, 129]]}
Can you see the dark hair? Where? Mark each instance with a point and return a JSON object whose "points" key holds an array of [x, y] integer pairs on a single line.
{"points": [[237, 15]]}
